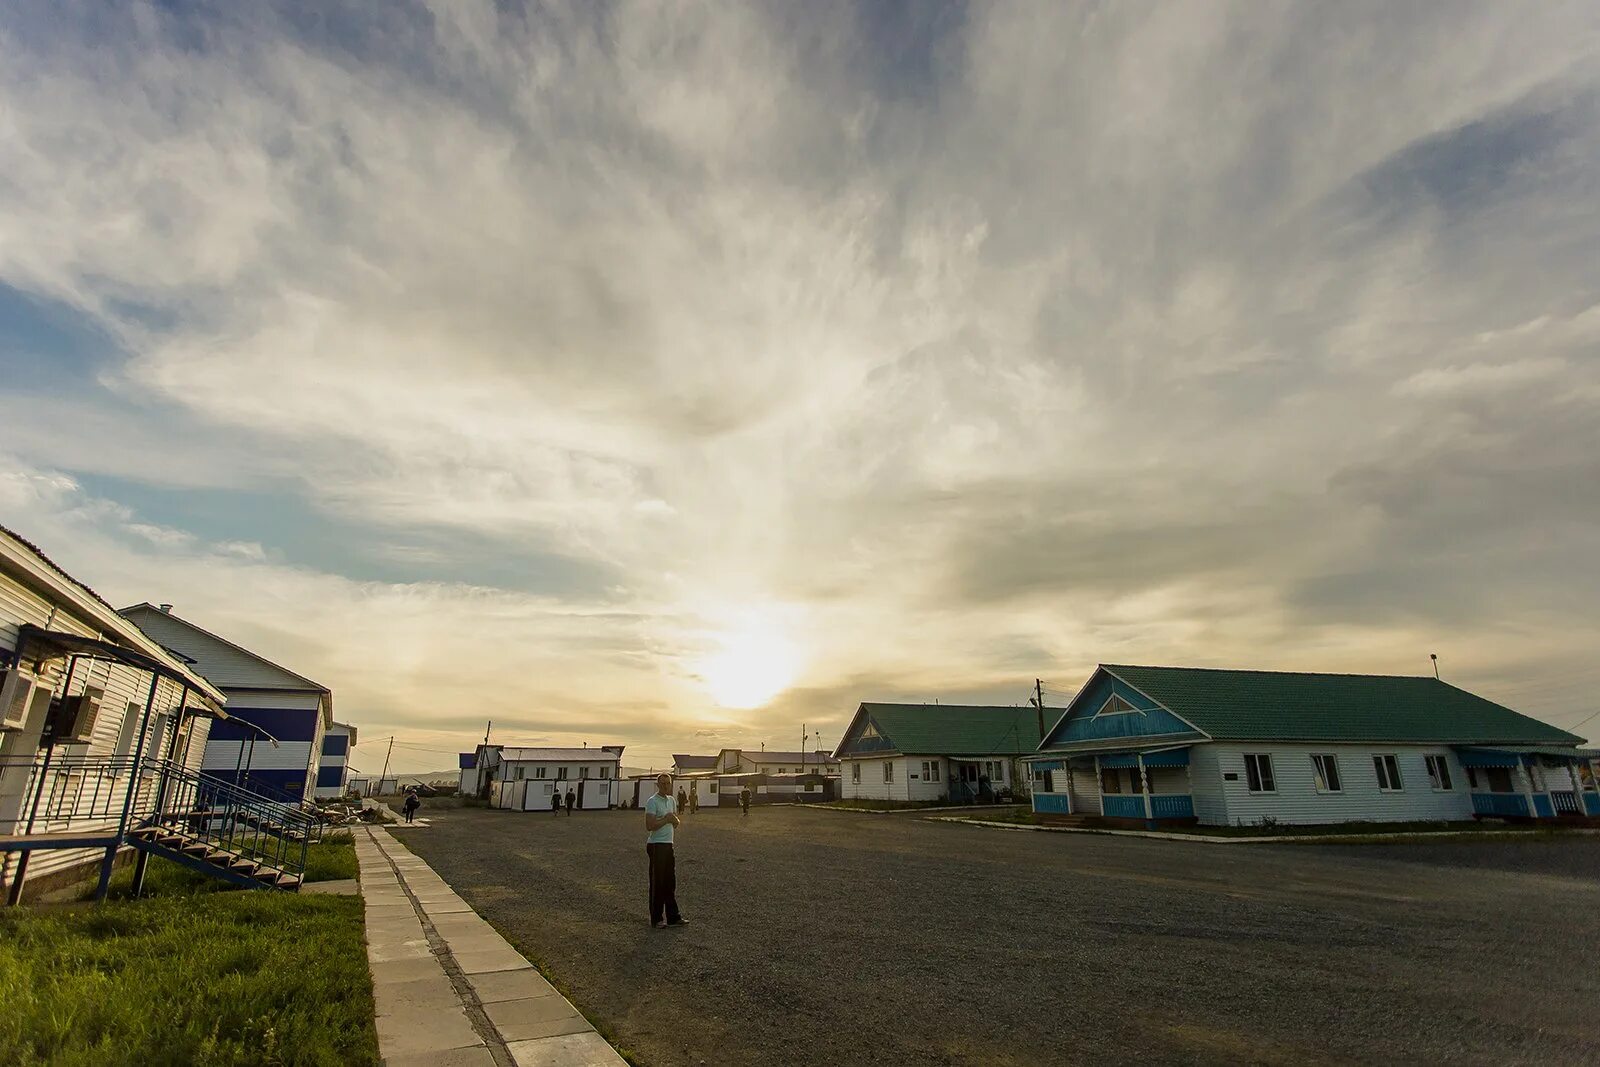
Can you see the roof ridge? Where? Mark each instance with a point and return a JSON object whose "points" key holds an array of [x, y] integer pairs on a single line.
{"points": [[218, 637], [1258, 670]]}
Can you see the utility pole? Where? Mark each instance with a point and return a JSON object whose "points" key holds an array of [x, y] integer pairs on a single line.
{"points": [[1435, 657], [385, 773], [1038, 690], [486, 728], [803, 748]]}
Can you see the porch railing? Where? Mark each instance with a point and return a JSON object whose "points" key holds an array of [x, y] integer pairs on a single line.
{"points": [[1052, 803], [63, 794], [1501, 805], [207, 811], [1122, 807], [1172, 806]]}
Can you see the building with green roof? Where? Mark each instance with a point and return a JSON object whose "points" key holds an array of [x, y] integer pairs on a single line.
{"points": [[961, 753], [1239, 747]]}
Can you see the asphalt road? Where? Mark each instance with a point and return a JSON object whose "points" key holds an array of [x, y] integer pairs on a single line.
{"points": [[830, 938]]}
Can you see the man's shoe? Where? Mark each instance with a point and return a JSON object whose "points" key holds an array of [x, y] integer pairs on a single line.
{"points": [[679, 922], [657, 926]]}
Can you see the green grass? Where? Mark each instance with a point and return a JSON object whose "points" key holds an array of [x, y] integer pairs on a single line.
{"points": [[332, 858], [213, 978], [880, 805]]}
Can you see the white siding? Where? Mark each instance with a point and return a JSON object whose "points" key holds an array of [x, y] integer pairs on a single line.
{"points": [[221, 663], [1296, 800], [917, 788], [1205, 778], [872, 786]]}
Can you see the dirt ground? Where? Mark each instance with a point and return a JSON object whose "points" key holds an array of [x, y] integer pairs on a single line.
{"points": [[833, 938]]}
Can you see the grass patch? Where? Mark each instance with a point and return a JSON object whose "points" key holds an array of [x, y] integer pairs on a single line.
{"points": [[214, 978], [327, 860]]}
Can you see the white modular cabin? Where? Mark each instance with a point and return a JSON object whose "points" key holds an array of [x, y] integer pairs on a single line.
{"points": [[524, 779]]}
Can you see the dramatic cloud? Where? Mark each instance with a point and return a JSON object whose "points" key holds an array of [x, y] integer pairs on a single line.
{"points": [[582, 366]]}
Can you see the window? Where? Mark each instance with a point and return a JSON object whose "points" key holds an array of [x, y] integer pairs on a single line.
{"points": [[1258, 773], [888, 771], [1135, 783], [605, 772], [1439, 772], [561, 774], [539, 772], [1388, 769], [1110, 782], [1326, 768], [1472, 777], [583, 772], [927, 771], [783, 770], [855, 773], [518, 775], [1115, 705]]}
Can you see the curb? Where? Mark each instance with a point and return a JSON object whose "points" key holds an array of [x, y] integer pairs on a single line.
{"points": [[910, 811], [1276, 839]]}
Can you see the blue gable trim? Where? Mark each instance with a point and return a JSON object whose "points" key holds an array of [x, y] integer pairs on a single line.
{"points": [[875, 740], [285, 724], [1080, 725]]}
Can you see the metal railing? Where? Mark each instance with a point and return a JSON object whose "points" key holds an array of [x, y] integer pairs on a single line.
{"points": [[153, 798]]}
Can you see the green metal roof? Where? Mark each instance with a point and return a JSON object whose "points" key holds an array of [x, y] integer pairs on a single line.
{"points": [[1280, 706], [951, 729]]}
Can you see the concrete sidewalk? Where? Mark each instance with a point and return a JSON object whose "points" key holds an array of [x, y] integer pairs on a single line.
{"points": [[450, 991]]}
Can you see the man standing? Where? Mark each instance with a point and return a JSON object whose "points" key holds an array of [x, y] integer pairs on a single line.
{"points": [[744, 799], [660, 820], [572, 798], [555, 802]]}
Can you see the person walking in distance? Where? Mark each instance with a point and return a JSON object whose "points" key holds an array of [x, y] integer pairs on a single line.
{"points": [[572, 798], [413, 802], [660, 820], [683, 800], [555, 802], [744, 799]]}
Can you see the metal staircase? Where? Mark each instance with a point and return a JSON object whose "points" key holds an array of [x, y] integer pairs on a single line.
{"points": [[160, 808], [213, 826]]}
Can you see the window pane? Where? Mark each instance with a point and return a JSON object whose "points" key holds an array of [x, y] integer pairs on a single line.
{"points": [[1333, 774], [1267, 784], [1251, 774]]}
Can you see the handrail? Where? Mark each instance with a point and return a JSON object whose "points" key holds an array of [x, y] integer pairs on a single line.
{"points": [[120, 793]]}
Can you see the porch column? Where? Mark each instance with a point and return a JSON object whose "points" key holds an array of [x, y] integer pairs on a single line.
{"points": [[1144, 778], [1527, 779], [1099, 787]]}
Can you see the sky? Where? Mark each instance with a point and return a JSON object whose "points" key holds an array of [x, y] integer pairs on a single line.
{"points": [[677, 375]]}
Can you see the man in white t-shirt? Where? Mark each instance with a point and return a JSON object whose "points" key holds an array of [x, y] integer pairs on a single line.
{"points": [[660, 820]]}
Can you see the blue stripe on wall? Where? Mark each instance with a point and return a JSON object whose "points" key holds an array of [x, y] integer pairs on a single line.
{"points": [[335, 745], [330, 777], [283, 723]]}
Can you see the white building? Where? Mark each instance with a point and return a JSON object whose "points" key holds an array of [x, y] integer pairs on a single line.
{"points": [[333, 769], [524, 779], [272, 742], [920, 753], [92, 711], [764, 761], [1228, 747]]}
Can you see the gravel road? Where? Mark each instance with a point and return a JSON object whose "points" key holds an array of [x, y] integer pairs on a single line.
{"points": [[840, 939]]}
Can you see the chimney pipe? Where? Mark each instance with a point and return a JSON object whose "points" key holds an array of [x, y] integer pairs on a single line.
{"points": [[166, 609]]}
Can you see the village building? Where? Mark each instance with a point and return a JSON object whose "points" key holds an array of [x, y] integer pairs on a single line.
{"points": [[962, 754], [97, 723], [685, 764], [333, 769], [272, 741], [764, 761], [524, 779], [1240, 747]]}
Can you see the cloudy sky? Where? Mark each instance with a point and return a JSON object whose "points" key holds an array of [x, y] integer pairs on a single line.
{"points": [[672, 375]]}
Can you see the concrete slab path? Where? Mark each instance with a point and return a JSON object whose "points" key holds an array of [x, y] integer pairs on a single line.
{"points": [[451, 991]]}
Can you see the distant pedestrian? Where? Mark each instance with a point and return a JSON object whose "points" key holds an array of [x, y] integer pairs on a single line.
{"points": [[555, 802], [683, 800], [694, 801], [413, 802], [744, 799], [572, 798], [660, 820]]}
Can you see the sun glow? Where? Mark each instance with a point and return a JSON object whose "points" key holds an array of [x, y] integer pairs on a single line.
{"points": [[750, 667]]}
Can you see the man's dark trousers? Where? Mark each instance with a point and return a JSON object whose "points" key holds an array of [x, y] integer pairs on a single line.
{"points": [[663, 883]]}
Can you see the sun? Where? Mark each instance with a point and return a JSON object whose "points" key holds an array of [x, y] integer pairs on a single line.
{"points": [[750, 667]]}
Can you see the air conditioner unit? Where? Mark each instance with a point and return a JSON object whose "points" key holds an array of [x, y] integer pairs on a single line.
{"points": [[78, 714], [16, 693]]}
